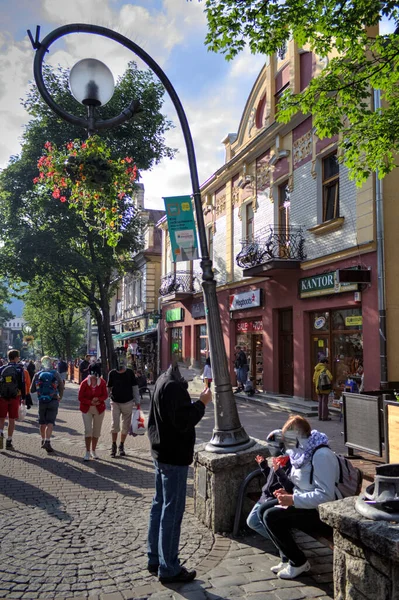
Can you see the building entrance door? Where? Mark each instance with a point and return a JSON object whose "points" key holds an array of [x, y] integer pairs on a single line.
{"points": [[286, 352], [320, 345]]}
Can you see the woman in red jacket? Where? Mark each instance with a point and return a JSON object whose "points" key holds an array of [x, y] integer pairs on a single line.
{"points": [[92, 396]]}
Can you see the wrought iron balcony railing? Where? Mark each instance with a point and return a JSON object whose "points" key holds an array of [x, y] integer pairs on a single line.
{"points": [[180, 282], [270, 243]]}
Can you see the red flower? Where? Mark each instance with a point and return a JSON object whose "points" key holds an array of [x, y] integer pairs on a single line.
{"points": [[63, 199], [48, 146], [56, 193], [36, 180], [121, 195], [128, 159], [84, 145], [69, 145]]}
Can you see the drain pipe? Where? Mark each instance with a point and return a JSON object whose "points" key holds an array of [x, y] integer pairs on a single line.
{"points": [[381, 268]]}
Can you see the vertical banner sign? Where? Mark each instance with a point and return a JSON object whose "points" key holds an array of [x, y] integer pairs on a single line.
{"points": [[181, 225]]}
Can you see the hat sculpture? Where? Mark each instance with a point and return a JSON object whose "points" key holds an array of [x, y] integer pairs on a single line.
{"points": [[380, 501]]}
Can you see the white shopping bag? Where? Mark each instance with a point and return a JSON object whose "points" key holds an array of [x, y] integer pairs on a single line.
{"points": [[138, 422], [22, 411]]}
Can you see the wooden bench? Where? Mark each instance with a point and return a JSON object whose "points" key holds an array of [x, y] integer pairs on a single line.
{"points": [[254, 496]]}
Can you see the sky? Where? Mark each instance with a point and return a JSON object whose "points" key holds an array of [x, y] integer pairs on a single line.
{"points": [[213, 91]]}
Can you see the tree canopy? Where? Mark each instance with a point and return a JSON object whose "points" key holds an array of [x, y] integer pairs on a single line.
{"points": [[5, 314], [357, 61], [49, 246]]}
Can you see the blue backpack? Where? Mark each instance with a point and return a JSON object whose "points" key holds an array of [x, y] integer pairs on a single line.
{"points": [[47, 386]]}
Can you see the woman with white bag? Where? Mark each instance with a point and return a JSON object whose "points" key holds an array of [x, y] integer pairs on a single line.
{"points": [[92, 396]]}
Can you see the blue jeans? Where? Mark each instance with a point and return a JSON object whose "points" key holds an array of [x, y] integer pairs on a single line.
{"points": [[166, 516], [255, 523]]}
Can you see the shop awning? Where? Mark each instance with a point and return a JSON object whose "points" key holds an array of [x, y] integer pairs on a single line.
{"points": [[132, 334]]}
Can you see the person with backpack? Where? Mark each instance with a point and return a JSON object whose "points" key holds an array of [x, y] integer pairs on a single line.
{"points": [[12, 393], [322, 380], [50, 389], [315, 474]]}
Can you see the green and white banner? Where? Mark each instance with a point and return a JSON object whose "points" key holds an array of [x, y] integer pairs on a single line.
{"points": [[181, 225]]}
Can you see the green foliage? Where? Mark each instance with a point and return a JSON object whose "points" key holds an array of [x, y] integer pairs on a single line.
{"points": [[57, 325], [98, 187], [44, 241], [5, 314], [339, 98]]}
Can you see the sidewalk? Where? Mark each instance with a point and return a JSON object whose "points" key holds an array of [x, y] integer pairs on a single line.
{"points": [[71, 529]]}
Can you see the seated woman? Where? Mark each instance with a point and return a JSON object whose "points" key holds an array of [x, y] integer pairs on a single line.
{"points": [[276, 478], [301, 505]]}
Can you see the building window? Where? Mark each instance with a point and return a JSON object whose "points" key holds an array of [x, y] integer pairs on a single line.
{"points": [[210, 242], [249, 222], [202, 344], [282, 51], [330, 187], [260, 113], [176, 347], [284, 204]]}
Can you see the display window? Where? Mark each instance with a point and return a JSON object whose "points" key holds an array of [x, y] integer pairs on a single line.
{"points": [[202, 344], [338, 336], [250, 338], [176, 343]]}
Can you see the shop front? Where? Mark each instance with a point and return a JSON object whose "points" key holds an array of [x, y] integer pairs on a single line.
{"points": [[174, 328], [249, 335]]}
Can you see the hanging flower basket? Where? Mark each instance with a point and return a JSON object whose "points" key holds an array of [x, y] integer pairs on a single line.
{"points": [[96, 186]]}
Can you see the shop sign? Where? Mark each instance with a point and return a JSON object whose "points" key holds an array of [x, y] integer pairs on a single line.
{"points": [[245, 300], [198, 310], [354, 321], [323, 285], [319, 322], [174, 314], [249, 326], [181, 227]]}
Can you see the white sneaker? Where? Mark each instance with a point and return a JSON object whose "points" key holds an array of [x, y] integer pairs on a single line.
{"points": [[278, 567], [290, 572], [94, 454], [87, 456]]}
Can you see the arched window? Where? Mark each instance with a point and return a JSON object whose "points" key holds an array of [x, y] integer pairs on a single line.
{"points": [[260, 112]]}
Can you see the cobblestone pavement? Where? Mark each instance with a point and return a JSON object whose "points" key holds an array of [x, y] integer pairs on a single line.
{"points": [[71, 529]]}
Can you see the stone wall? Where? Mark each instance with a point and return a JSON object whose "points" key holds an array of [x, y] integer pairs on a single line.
{"points": [[366, 553]]}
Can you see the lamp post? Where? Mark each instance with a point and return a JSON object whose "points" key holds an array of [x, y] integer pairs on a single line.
{"points": [[90, 84]]}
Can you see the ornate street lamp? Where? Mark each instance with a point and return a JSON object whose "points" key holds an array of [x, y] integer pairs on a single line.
{"points": [[90, 84]]}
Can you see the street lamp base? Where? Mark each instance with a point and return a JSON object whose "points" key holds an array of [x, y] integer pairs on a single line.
{"points": [[226, 442]]}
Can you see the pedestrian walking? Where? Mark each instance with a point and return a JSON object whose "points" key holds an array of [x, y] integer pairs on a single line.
{"points": [[31, 369], [84, 368], [12, 394], [207, 374], [124, 392], [50, 389], [322, 380], [92, 396], [241, 368], [171, 429], [62, 368]]}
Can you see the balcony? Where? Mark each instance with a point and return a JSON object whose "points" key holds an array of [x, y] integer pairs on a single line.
{"points": [[273, 249], [179, 285]]}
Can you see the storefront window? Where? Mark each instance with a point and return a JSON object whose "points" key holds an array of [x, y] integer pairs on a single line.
{"points": [[249, 336], [176, 346], [202, 344], [337, 335]]}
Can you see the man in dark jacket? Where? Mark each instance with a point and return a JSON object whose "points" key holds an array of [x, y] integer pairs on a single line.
{"points": [[171, 429]]}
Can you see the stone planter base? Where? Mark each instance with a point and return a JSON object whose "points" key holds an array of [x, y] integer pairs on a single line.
{"points": [[217, 479]]}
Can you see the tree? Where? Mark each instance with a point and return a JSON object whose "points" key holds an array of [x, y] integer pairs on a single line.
{"points": [[57, 325], [5, 314], [357, 60], [44, 242]]}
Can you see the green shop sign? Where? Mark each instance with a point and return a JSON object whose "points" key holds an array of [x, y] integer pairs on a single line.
{"points": [[174, 314], [324, 285]]}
